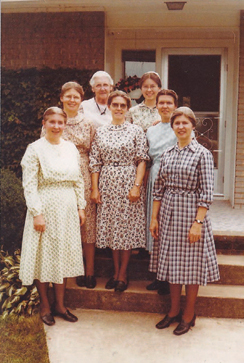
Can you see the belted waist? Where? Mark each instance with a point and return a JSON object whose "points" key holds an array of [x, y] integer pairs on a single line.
{"points": [[117, 163], [173, 190]]}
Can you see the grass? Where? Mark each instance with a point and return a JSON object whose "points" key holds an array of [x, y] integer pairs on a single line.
{"points": [[22, 340]]}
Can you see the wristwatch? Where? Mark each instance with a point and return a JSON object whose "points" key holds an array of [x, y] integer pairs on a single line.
{"points": [[198, 221]]}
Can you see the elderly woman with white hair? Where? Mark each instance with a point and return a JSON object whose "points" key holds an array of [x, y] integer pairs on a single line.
{"points": [[96, 108]]}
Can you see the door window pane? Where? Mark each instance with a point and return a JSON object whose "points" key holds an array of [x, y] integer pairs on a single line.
{"points": [[138, 62], [196, 79]]}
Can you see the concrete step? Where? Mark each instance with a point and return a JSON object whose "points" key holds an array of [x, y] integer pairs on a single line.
{"points": [[231, 267], [229, 244], [220, 301]]}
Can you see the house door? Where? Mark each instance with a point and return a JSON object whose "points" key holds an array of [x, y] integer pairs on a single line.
{"points": [[198, 77]]}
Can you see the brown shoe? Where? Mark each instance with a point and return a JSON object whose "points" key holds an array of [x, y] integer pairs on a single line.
{"points": [[48, 319]]}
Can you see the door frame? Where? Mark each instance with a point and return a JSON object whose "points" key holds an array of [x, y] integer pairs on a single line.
{"points": [[218, 173]]}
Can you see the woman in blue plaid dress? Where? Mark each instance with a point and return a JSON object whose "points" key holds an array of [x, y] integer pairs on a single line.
{"points": [[182, 193]]}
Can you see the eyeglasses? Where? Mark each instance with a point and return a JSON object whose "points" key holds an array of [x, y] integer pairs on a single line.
{"points": [[105, 85], [149, 87], [123, 106]]}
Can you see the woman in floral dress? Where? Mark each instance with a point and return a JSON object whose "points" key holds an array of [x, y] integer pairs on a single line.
{"points": [[182, 193], [81, 132], [146, 113], [118, 162], [54, 193]]}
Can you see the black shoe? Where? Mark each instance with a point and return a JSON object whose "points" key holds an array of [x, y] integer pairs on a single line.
{"points": [[48, 319], [155, 285], [81, 281], [164, 288], [68, 316], [90, 282], [184, 327], [111, 283], [121, 286], [167, 321]]}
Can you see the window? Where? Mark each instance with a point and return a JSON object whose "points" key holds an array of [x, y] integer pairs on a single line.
{"points": [[138, 62]]}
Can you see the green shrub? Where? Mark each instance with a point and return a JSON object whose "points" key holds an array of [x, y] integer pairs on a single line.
{"points": [[26, 94], [13, 210], [15, 298]]}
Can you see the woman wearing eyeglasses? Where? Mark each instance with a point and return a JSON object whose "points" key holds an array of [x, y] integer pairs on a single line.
{"points": [[117, 162], [96, 108], [146, 113]]}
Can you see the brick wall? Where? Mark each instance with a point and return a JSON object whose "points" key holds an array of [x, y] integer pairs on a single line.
{"points": [[239, 177], [74, 40]]}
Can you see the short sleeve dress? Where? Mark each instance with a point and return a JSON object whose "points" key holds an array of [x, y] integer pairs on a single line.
{"points": [[159, 138], [53, 186], [115, 153], [185, 182], [143, 116]]}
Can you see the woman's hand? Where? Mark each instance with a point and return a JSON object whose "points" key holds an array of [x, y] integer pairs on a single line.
{"points": [[154, 228], [95, 196], [82, 216], [195, 232], [39, 223], [134, 194]]}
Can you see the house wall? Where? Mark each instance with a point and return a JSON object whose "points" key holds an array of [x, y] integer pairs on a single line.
{"points": [[239, 174], [73, 39]]}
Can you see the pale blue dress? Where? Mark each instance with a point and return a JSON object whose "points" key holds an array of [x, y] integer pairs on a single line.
{"points": [[159, 138]]}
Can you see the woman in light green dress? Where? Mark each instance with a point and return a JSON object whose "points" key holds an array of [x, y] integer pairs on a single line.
{"points": [[159, 138]]}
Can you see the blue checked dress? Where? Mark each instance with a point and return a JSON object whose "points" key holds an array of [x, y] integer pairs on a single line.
{"points": [[185, 182]]}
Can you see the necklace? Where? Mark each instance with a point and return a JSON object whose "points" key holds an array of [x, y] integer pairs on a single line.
{"points": [[99, 109]]}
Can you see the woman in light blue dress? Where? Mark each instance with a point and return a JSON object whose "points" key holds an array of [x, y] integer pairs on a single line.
{"points": [[159, 138]]}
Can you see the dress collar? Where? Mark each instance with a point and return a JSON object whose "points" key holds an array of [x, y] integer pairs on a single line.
{"points": [[192, 146], [75, 120], [143, 105], [118, 127]]}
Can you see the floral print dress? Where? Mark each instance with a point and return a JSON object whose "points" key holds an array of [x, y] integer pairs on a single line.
{"points": [[53, 186], [81, 132], [143, 115], [115, 153]]}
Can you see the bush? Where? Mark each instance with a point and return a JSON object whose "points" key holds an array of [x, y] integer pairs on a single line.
{"points": [[26, 94], [15, 298], [13, 210]]}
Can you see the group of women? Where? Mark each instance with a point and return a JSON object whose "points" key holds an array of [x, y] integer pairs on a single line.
{"points": [[101, 187]]}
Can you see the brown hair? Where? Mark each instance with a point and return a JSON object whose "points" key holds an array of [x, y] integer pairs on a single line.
{"points": [[54, 111], [168, 92], [69, 85], [150, 75], [119, 94], [185, 111]]}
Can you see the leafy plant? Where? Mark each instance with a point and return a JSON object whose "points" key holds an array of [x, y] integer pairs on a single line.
{"points": [[13, 211], [15, 298], [26, 94], [128, 84]]}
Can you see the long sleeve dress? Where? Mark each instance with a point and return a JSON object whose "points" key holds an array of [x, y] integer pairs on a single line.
{"points": [[81, 131], [53, 186], [159, 138], [115, 153], [185, 182]]}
